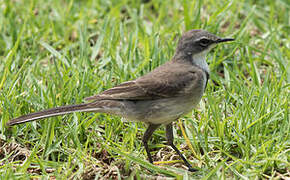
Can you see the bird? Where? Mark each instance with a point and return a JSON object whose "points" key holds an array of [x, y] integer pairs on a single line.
{"points": [[157, 98]]}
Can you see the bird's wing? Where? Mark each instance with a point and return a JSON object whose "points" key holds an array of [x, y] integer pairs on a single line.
{"points": [[127, 90], [171, 80]]}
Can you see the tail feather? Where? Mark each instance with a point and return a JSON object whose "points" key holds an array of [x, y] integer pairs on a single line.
{"points": [[88, 107]]}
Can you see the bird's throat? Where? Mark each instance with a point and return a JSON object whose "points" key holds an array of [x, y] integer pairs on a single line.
{"points": [[200, 61]]}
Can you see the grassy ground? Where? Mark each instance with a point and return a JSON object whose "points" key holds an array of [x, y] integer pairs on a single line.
{"points": [[58, 52]]}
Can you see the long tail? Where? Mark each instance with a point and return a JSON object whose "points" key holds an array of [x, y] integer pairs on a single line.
{"points": [[87, 107]]}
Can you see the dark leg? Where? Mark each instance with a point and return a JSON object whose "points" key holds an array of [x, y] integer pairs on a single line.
{"points": [[169, 136], [148, 133]]}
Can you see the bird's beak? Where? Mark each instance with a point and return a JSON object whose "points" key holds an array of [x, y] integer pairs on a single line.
{"points": [[224, 40]]}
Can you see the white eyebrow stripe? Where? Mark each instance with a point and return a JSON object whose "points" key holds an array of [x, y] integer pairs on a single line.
{"points": [[203, 37]]}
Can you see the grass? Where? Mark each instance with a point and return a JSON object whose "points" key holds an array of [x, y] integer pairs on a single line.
{"points": [[55, 53]]}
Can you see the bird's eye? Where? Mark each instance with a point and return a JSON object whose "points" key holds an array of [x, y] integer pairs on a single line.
{"points": [[204, 42]]}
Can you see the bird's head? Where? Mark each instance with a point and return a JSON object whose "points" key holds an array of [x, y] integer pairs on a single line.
{"points": [[196, 42]]}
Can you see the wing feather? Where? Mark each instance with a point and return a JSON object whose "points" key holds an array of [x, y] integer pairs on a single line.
{"points": [[165, 81]]}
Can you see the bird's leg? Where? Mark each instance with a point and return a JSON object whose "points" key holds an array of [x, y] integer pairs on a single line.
{"points": [[148, 133], [169, 136]]}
